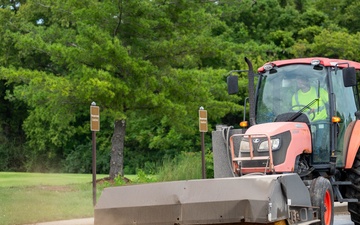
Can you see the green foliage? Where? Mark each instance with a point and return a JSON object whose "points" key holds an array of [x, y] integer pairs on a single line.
{"points": [[79, 160], [153, 63], [141, 177], [14, 159], [209, 164], [331, 44], [119, 180], [185, 166]]}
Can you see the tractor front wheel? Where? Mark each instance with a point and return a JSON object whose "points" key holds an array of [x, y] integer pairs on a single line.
{"points": [[322, 196]]}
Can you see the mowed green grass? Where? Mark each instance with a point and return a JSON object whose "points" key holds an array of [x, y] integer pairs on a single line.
{"points": [[10, 179], [27, 198]]}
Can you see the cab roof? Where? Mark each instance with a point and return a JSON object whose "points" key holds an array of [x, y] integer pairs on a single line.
{"points": [[323, 61]]}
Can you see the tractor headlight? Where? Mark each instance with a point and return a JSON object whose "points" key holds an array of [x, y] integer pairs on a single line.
{"points": [[275, 145], [244, 146]]}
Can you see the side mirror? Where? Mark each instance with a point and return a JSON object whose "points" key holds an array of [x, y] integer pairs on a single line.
{"points": [[349, 76], [232, 83]]}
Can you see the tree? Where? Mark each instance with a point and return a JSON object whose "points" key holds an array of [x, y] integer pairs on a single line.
{"points": [[127, 56], [149, 65]]}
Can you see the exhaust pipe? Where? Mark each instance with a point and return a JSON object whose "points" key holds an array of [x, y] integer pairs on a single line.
{"points": [[251, 87]]}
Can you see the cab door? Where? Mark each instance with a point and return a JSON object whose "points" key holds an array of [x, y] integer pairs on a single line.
{"points": [[344, 105]]}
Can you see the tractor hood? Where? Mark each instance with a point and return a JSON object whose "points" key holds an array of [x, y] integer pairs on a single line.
{"points": [[274, 128]]}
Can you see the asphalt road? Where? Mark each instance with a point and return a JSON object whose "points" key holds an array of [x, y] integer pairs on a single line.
{"points": [[341, 218]]}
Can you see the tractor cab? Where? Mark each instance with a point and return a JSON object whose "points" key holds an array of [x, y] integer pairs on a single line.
{"points": [[318, 92], [297, 93]]}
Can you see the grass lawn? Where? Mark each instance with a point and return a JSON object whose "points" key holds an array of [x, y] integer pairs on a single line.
{"points": [[36, 197]]}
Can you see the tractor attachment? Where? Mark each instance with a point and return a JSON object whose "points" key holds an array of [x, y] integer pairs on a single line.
{"points": [[239, 200]]}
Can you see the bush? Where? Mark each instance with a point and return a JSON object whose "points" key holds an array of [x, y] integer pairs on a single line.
{"points": [[4, 158], [143, 178], [80, 160], [12, 157], [186, 166]]}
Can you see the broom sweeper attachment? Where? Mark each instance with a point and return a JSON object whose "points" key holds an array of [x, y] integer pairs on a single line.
{"points": [[263, 199]]}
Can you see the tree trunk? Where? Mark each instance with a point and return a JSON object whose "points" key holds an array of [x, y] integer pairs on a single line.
{"points": [[117, 150]]}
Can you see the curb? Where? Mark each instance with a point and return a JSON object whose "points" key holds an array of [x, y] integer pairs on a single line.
{"points": [[84, 221], [341, 207]]}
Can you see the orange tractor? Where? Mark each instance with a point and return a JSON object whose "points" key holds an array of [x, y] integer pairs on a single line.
{"points": [[299, 154]]}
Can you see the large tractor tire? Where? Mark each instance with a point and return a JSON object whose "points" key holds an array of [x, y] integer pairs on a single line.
{"points": [[353, 191], [322, 196]]}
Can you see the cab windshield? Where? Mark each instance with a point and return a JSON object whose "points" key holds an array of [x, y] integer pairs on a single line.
{"points": [[278, 92]]}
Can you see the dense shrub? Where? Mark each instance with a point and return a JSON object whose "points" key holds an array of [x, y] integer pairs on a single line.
{"points": [[80, 160], [185, 166]]}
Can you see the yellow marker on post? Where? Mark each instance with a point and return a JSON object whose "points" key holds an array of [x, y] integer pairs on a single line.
{"points": [[203, 126]]}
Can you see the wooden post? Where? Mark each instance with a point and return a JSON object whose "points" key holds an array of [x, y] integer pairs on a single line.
{"points": [[94, 126], [203, 127]]}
